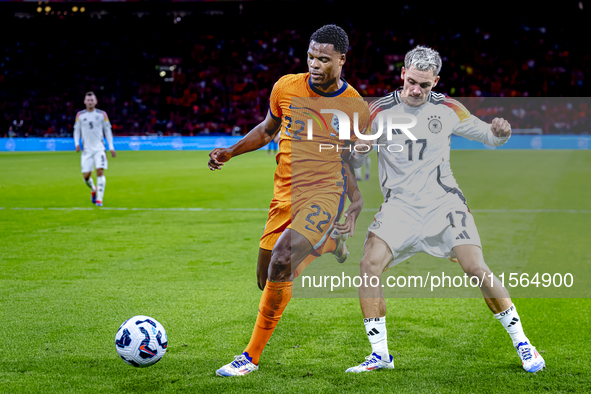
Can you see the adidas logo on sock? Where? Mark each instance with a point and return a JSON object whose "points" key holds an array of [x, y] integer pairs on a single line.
{"points": [[513, 322], [373, 331]]}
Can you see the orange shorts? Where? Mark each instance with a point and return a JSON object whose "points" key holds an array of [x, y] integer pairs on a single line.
{"points": [[312, 213]]}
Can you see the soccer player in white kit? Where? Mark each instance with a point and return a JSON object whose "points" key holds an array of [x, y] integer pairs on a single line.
{"points": [[424, 210], [93, 124]]}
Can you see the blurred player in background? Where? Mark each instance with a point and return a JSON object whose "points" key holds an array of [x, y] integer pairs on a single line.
{"points": [[299, 228], [93, 125], [274, 144], [424, 210], [367, 165]]}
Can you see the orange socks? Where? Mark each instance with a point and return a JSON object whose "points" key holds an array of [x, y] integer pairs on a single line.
{"points": [[275, 298]]}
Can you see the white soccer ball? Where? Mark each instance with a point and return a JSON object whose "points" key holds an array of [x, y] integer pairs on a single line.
{"points": [[141, 341]]}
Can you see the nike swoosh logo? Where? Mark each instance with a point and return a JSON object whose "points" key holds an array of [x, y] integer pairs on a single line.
{"points": [[308, 228], [144, 349]]}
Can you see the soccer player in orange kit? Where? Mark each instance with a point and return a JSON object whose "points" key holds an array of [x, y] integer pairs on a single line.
{"points": [[309, 187]]}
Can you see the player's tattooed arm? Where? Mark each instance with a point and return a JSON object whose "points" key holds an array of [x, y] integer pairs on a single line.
{"points": [[500, 127], [354, 209], [258, 137]]}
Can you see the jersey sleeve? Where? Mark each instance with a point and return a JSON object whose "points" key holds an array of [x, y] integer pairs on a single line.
{"points": [[77, 130], [275, 101], [107, 131], [472, 128]]}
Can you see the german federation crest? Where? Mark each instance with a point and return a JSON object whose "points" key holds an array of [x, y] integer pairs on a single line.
{"points": [[435, 125], [375, 225]]}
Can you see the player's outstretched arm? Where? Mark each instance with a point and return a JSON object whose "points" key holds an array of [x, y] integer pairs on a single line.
{"points": [[258, 137], [491, 134], [354, 209]]}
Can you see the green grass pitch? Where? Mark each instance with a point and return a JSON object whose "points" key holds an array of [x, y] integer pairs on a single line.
{"points": [[69, 278]]}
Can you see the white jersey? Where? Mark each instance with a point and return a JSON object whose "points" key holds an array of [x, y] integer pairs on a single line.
{"points": [[420, 174], [92, 127]]}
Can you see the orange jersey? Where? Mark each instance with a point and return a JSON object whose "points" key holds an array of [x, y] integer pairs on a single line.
{"points": [[301, 162]]}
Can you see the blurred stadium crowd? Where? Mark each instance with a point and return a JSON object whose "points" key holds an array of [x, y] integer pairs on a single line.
{"points": [[226, 60]]}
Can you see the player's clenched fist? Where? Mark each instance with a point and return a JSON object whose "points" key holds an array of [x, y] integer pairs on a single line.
{"points": [[218, 157], [500, 127]]}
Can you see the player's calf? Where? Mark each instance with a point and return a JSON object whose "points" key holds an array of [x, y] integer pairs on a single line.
{"points": [[472, 262]]}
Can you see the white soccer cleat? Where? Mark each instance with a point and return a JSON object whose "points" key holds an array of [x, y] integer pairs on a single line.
{"points": [[341, 251], [372, 362], [240, 366], [530, 358]]}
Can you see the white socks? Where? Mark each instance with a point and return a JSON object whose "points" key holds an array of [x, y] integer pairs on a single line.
{"points": [[90, 183], [375, 328], [377, 335], [512, 323], [100, 187]]}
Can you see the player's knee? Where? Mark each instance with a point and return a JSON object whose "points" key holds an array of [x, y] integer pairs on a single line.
{"points": [[280, 267], [476, 268], [370, 267]]}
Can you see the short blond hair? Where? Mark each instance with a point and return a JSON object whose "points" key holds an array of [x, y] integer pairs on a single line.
{"points": [[424, 59]]}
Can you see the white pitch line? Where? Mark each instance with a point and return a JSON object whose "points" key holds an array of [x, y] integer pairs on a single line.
{"points": [[266, 209], [68, 209], [530, 210]]}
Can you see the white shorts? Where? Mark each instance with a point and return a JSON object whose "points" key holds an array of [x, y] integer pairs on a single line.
{"points": [[434, 229], [92, 160]]}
